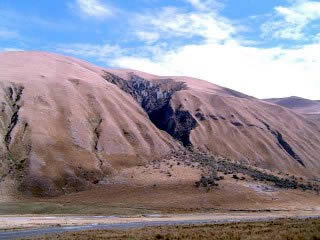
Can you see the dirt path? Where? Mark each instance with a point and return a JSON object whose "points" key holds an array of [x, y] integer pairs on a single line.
{"points": [[40, 225]]}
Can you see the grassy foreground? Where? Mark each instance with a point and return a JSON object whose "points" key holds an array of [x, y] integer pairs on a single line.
{"points": [[279, 229]]}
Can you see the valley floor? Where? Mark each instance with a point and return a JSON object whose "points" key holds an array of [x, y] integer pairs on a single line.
{"points": [[125, 206], [197, 226], [43, 221], [168, 192]]}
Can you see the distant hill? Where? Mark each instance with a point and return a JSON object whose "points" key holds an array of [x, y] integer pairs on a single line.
{"points": [[298, 104]]}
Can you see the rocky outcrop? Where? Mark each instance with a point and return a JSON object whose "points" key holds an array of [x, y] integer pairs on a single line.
{"points": [[15, 133], [283, 144], [154, 97], [14, 96], [150, 95], [178, 123]]}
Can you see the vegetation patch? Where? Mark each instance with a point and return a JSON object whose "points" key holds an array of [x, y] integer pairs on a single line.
{"points": [[212, 165], [308, 229]]}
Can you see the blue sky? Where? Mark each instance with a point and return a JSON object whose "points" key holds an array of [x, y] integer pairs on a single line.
{"points": [[264, 48]]}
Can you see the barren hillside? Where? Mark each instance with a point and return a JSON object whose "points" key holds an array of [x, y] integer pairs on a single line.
{"points": [[309, 108], [298, 104], [67, 125]]}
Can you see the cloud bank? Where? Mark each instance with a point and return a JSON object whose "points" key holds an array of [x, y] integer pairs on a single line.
{"points": [[204, 44]]}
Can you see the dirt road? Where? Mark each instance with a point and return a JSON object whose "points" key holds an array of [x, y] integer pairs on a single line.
{"points": [[12, 226]]}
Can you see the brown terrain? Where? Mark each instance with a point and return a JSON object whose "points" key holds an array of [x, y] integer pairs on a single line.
{"points": [[278, 230], [298, 104], [309, 108], [76, 134]]}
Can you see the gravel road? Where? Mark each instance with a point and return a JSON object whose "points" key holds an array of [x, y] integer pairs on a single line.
{"points": [[113, 223]]}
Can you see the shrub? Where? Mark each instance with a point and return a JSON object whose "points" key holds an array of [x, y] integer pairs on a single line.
{"points": [[159, 236]]}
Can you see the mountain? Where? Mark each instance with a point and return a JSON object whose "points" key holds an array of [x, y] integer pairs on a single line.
{"points": [[298, 104], [67, 125], [309, 108]]}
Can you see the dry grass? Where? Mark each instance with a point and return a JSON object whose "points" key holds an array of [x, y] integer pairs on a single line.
{"points": [[22, 208], [280, 229], [116, 199]]}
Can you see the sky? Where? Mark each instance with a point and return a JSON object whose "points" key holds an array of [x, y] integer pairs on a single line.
{"points": [[264, 48]]}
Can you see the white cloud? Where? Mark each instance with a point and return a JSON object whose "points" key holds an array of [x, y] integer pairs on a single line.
{"points": [[11, 50], [219, 56], [290, 22], [148, 37], [317, 37], [94, 8], [205, 5], [172, 22], [273, 72], [6, 34], [100, 52]]}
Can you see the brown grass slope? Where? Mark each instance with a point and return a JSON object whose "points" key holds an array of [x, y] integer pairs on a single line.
{"points": [[241, 127], [298, 104], [66, 124], [309, 108], [66, 127]]}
